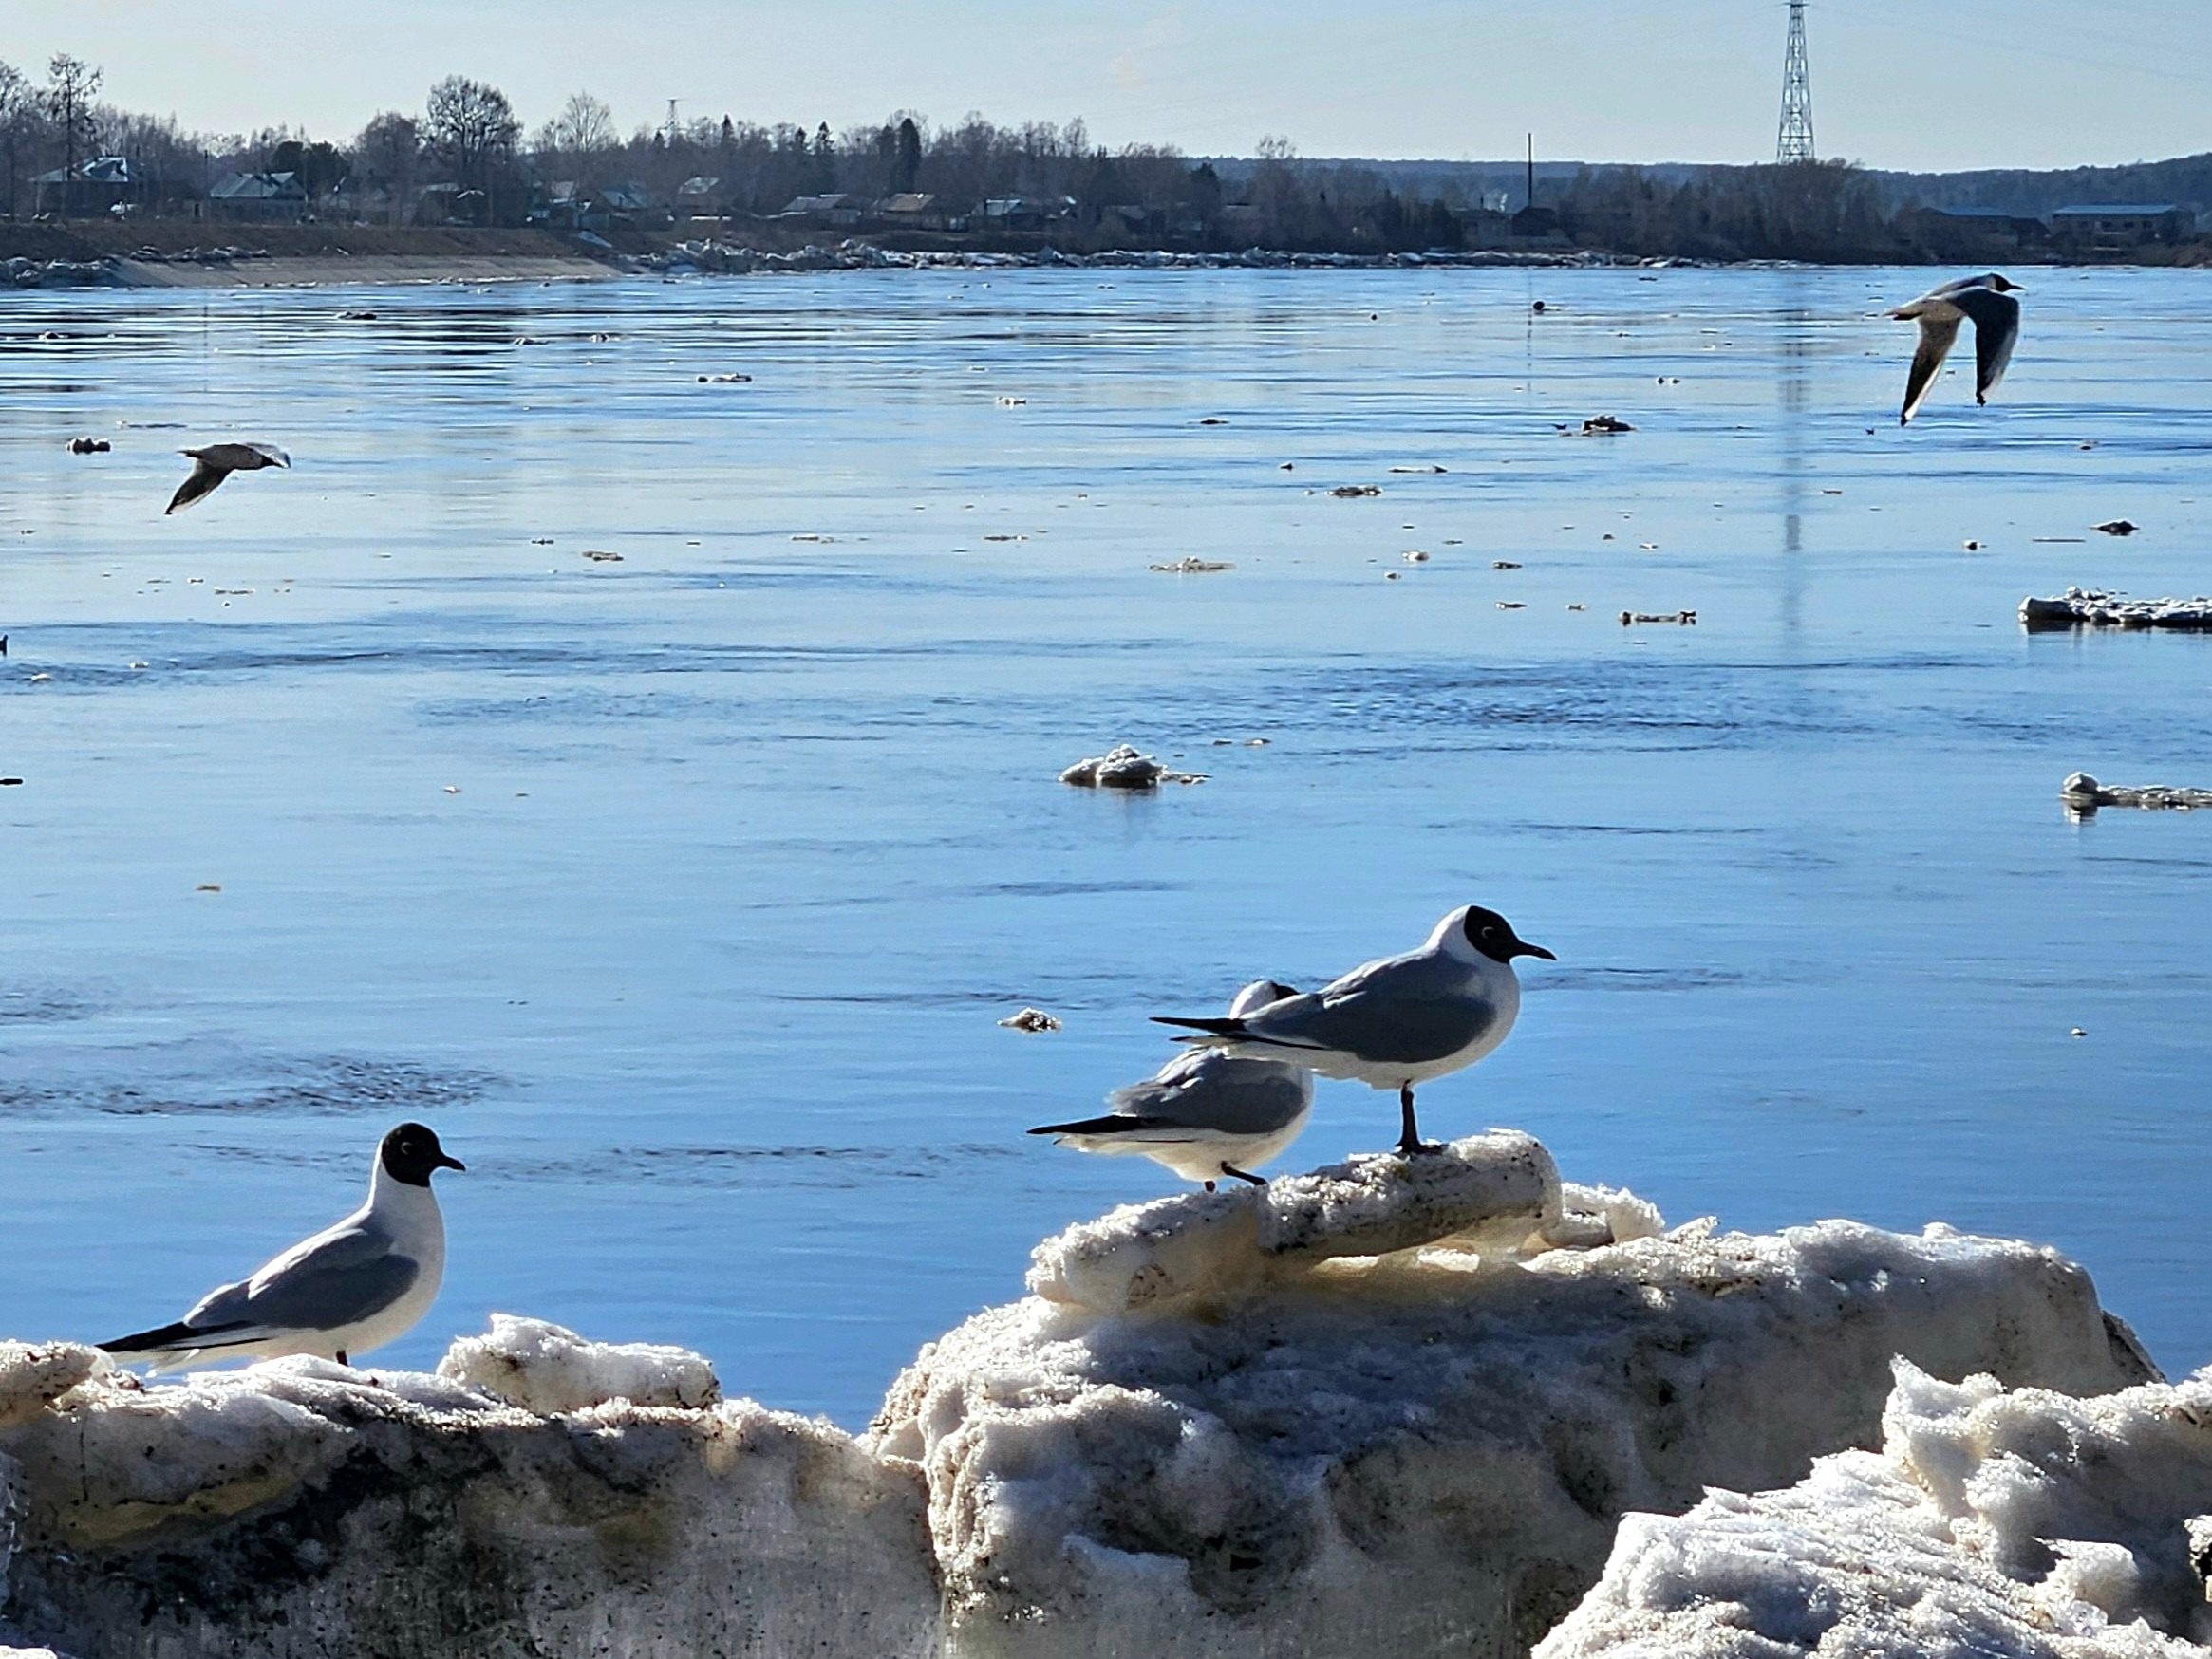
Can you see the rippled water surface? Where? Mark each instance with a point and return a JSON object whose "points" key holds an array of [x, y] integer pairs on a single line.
{"points": [[682, 892]]}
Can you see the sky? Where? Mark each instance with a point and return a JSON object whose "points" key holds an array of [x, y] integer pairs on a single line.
{"points": [[1895, 84]]}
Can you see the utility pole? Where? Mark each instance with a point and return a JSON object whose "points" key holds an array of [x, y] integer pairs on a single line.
{"points": [[1795, 142], [1531, 192]]}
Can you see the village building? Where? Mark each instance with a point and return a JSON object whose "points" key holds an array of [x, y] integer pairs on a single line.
{"points": [[263, 197], [2119, 227]]}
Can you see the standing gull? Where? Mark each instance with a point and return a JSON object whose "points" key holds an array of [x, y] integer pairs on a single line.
{"points": [[1204, 1114], [212, 463], [1396, 1022], [348, 1289], [1988, 300]]}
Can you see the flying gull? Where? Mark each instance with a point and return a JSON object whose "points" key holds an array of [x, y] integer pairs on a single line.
{"points": [[348, 1289], [1988, 300], [1396, 1022], [215, 462], [1204, 1114]]}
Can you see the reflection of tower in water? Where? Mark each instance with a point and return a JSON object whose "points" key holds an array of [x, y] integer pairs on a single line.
{"points": [[1792, 388]]}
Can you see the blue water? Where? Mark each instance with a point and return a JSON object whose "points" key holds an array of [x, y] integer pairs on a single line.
{"points": [[756, 838]]}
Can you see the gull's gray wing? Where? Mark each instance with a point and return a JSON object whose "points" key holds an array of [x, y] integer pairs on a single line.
{"points": [[1996, 328], [1216, 1092], [203, 478], [1937, 332], [336, 1278], [1397, 1019]]}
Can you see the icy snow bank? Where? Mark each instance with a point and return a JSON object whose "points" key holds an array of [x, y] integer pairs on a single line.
{"points": [[1301, 1422], [300, 1509], [2026, 1524], [1394, 1408], [1496, 1190], [545, 1369]]}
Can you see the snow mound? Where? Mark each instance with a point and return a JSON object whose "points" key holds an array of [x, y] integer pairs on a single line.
{"points": [[1494, 1191], [2029, 1526], [1186, 1445], [545, 1369], [299, 1509], [34, 1375]]}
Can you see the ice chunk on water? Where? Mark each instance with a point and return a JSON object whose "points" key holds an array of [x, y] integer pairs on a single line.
{"points": [[545, 1369]]}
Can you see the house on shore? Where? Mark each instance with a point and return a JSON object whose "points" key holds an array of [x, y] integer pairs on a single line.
{"points": [[262, 197], [910, 210], [2119, 227], [101, 185], [834, 209]]}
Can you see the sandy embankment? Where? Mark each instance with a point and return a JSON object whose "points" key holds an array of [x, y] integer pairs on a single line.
{"points": [[210, 254], [325, 269]]}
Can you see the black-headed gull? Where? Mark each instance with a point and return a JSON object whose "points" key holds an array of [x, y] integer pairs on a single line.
{"points": [[1988, 300], [1204, 1114], [1398, 1021], [348, 1289]]}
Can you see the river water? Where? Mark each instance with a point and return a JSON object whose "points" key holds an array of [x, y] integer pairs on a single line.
{"points": [[681, 891]]}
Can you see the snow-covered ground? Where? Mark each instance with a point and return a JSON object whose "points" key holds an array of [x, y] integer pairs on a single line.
{"points": [[1991, 1525], [1389, 1406]]}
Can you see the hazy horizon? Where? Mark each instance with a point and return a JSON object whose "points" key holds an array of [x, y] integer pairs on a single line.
{"points": [[1694, 82]]}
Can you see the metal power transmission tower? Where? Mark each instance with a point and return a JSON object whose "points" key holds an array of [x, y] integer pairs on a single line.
{"points": [[1795, 144]]}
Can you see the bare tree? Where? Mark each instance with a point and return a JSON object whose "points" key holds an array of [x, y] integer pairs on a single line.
{"points": [[71, 85], [583, 127], [472, 125], [386, 155], [19, 116]]}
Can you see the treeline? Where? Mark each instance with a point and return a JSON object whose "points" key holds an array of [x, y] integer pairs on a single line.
{"points": [[466, 157], [1822, 211]]}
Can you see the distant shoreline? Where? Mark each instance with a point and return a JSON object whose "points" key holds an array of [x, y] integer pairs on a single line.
{"points": [[45, 258]]}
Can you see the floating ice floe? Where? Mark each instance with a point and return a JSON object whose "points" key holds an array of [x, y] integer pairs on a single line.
{"points": [[1123, 767], [1348, 491], [1191, 564], [2083, 795], [2094, 608], [1032, 1020], [1395, 1407], [2029, 1526]]}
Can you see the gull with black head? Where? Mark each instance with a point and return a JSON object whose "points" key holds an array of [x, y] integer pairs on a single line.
{"points": [[1204, 1114], [1395, 1022], [350, 1288], [1988, 300]]}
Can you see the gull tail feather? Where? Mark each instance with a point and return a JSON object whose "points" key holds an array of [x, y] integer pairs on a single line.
{"points": [[1118, 1123]]}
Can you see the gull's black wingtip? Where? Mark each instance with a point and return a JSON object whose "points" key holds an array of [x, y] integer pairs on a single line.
{"points": [[1113, 1123], [150, 1341], [1213, 1026]]}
